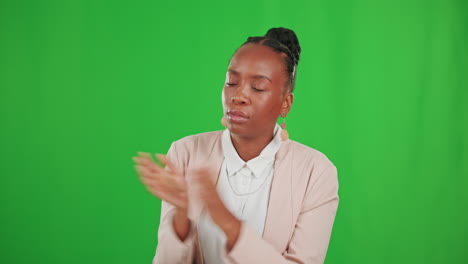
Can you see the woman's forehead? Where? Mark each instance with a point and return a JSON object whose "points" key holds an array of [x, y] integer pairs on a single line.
{"points": [[256, 59]]}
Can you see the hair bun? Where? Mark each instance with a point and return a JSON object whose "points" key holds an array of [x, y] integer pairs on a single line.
{"points": [[286, 37]]}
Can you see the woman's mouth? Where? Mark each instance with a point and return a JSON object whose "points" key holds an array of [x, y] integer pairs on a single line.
{"points": [[237, 116]]}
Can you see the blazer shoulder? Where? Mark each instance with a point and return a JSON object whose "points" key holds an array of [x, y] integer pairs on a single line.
{"points": [[309, 154], [315, 176], [204, 139]]}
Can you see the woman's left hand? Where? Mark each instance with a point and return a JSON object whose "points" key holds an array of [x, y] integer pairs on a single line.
{"points": [[220, 215]]}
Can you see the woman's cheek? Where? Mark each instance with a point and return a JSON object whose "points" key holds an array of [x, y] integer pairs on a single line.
{"points": [[224, 95]]}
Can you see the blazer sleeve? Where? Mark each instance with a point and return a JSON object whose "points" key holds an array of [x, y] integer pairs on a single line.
{"points": [[311, 235], [170, 248]]}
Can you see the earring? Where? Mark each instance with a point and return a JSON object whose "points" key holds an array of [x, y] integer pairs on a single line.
{"points": [[223, 121], [284, 133]]}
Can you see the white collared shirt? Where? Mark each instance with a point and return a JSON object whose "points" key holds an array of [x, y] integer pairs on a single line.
{"points": [[244, 188]]}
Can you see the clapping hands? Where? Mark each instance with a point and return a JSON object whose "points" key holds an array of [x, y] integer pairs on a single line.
{"points": [[166, 183], [170, 185]]}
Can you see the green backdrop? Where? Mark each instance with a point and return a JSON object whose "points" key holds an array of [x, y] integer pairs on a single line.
{"points": [[381, 90]]}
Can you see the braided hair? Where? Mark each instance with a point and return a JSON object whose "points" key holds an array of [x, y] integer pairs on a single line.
{"points": [[285, 41]]}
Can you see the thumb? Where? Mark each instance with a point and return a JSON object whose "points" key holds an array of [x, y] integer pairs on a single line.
{"points": [[165, 160]]}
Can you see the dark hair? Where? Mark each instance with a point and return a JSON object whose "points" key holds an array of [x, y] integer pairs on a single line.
{"points": [[285, 41]]}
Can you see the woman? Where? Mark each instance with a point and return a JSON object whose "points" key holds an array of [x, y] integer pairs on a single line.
{"points": [[247, 194]]}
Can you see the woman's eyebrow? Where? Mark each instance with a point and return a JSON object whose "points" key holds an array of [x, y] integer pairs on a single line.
{"points": [[233, 72], [257, 76]]}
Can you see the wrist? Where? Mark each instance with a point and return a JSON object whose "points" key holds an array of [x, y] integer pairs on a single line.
{"points": [[181, 224], [231, 229], [232, 234]]}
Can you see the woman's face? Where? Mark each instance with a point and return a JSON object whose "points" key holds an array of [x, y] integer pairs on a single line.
{"points": [[254, 92]]}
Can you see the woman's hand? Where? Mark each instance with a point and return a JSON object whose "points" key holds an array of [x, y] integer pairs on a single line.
{"points": [[168, 185], [220, 215]]}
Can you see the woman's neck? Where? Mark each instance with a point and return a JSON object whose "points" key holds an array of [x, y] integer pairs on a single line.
{"points": [[249, 148]]}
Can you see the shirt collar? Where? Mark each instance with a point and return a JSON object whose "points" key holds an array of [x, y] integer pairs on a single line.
{"points": [[234, 163]]}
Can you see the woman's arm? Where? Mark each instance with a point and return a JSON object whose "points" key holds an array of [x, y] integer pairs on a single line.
{"points": [[310, 239], [170, 248], [175, 234], [309, 242], [219, 213], [181, 224]]}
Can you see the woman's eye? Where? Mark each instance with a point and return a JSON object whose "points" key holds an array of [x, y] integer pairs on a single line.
{"points": [[230, 84], [258, 90]]}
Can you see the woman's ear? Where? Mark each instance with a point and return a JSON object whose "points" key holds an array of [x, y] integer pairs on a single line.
{"points": [[287, 104]]}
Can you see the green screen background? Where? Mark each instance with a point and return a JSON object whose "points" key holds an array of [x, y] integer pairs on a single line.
{"points": [[381, 90]]}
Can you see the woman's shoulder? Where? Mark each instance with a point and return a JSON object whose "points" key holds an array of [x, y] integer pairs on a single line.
{"points": [[195, 148], [200, 139], [312, 169], [303, 153]]}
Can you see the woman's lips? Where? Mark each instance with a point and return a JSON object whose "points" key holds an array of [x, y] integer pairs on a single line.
{"points": [[237, 116]]}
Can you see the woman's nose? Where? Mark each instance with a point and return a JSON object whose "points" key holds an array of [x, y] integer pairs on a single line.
{"points": [[239, 97]]}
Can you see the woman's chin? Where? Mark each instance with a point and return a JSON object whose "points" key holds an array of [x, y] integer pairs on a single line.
{"points": [[238, 129]]}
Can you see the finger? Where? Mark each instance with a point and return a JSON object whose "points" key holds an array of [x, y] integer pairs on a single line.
{"points": [[144, 171], [160, 183], [147, 163], [164, 179], [165, 160], [176, 198], [169, 182], [146, 158], [153, 167], [151, 187], [148, 182], [145, 155], [138, 169], [141, 160]]}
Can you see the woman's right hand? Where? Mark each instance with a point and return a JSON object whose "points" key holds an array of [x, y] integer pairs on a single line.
{"points": [[167, 184]]}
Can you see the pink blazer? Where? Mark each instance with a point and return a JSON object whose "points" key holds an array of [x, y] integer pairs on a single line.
{"points": [[301, 210]]}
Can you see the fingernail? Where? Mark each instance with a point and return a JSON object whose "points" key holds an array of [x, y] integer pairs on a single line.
{"points": [[136, 159]]}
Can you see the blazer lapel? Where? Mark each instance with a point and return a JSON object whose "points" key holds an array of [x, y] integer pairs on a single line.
{"points": [[213, 161], [279, 219], [279, 215]]}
